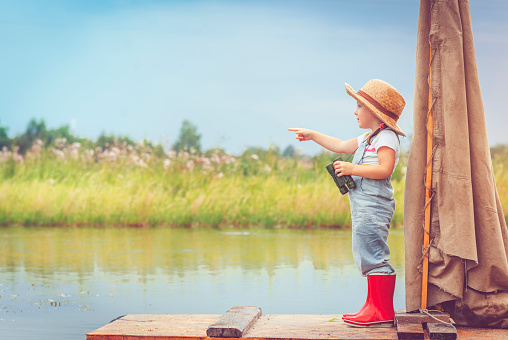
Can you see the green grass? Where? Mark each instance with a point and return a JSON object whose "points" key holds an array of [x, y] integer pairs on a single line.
{"points": [[49, 191]]}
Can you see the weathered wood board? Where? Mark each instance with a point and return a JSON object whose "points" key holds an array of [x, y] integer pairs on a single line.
{"points": [[270, 327], [235, 323], [442, 331], [402, 316], [156, 326], [410, 331], [303, 326]]}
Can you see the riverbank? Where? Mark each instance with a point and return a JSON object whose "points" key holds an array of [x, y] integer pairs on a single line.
{"points": [[184, 190]]}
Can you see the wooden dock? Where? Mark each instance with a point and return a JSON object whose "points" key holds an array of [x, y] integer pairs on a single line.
{"points": [[261, 327]]}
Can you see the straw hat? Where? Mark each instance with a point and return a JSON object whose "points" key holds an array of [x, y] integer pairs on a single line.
{"points": [[383, 100]]}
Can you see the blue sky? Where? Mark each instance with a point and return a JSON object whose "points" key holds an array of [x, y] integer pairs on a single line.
{"points": [[241, 71]]}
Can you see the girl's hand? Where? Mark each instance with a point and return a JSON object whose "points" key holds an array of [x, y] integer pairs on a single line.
{"points": [[343, 168], [302, 134]]}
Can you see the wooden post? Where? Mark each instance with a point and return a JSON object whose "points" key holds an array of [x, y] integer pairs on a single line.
{"points": [[428, 193]]}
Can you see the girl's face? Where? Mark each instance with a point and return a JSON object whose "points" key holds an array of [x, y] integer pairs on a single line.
{"points": [[366, 119]]}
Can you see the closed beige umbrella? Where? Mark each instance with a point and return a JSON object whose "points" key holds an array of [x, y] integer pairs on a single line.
{"points": [[468, 252]]}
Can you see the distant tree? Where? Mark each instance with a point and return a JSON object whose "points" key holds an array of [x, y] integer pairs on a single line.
{"points": [[34, 130], [158, 151], [188, 138], [62, 132], [105, 141], [215, 151], [4, 138], [289, 152], [271, 153], [156, 148], [254, 152], [499, 150], [37, 130]]}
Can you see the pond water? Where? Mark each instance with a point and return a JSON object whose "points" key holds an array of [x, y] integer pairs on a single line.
{"points": [[61, 283]]}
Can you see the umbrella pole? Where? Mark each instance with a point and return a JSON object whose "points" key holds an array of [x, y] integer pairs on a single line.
{"points": [[428, 193]]}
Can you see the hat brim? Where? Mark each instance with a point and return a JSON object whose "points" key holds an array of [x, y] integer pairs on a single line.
{"points": [[392, 124]]}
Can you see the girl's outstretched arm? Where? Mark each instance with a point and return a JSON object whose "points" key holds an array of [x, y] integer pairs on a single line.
{"points": [[331, 143]]}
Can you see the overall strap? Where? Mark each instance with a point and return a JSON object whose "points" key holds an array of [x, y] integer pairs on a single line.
{"points": [[377, 131]]}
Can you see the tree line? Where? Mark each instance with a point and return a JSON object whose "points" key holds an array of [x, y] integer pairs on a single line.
{"points": [[188, 139]]}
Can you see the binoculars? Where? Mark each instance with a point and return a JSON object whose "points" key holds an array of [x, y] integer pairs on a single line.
{"points": [[343, 182]]}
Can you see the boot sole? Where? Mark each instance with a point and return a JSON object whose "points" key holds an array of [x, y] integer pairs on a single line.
{"points": [[377, 324]]}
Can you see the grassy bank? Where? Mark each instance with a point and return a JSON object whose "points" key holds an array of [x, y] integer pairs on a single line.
{"points": [[50, 191], [70, 186]]}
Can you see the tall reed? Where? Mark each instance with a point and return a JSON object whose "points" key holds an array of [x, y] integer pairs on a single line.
{"points": [[71, 193], [70, 186]]}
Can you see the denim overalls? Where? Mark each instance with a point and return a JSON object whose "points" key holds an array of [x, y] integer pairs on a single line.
{"points": [[372, 208]]}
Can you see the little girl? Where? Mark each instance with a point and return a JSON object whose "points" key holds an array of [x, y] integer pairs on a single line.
{"points": [[376, 153]]}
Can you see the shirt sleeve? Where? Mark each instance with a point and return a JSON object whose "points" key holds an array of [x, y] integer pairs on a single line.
{"points": [[388, 138]]}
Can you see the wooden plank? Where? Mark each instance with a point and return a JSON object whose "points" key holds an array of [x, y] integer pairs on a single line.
{"points": [[309, 326], [410, 330], [401, 316], [482, 333], [235, 323], [442, 331], [268, 327], [193, 327], [96, 337], [158, 326], [104, 337]]}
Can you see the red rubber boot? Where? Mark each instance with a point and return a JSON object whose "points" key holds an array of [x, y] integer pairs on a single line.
{"points": [[364, 306], [379, 311]]}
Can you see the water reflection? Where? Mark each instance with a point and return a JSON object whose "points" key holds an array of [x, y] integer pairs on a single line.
{"points": [[85, 277]]}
